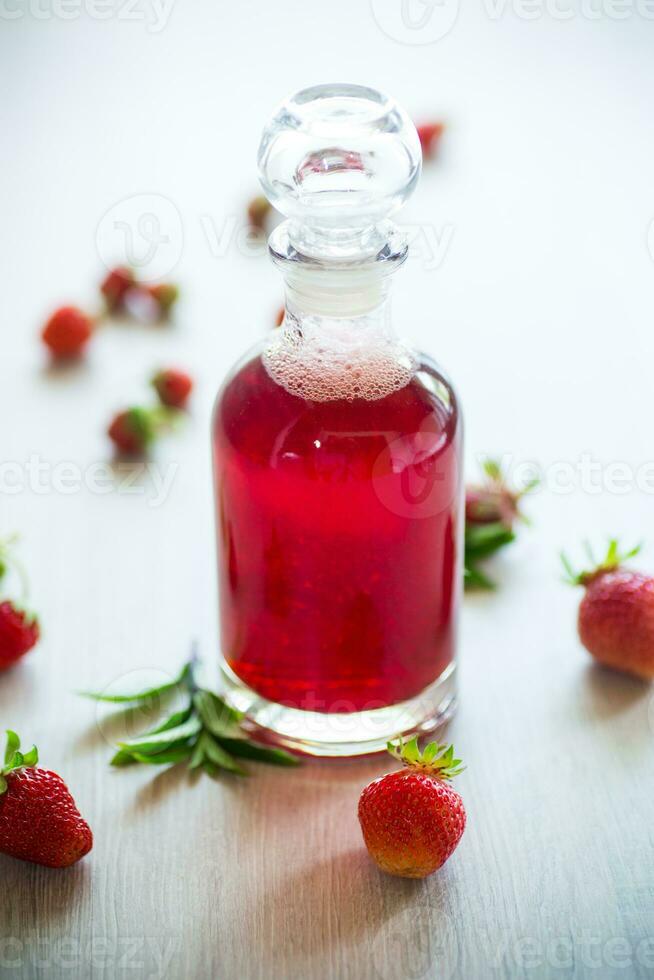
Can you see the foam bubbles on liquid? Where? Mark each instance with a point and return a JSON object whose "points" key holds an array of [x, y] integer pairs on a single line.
{"points": [[344, 361]]}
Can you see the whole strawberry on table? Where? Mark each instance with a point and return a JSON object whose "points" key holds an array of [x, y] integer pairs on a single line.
{"points": [[412, 820], [39, 821], [19, 629], [616, 614]]}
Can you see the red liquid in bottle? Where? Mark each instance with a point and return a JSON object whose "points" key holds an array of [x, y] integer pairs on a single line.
{"points": [[338, 540]]}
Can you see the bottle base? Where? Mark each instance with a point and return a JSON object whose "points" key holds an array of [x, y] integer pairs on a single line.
{"points": [[342, 735]]}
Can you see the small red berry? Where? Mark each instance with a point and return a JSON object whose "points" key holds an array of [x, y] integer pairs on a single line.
{"points": [[19, 632], [494, 500], [258, 210], [132, 431], [116, 285], [67, 332], [39, 821], [429, 135], [616, 615], [165, 294], [173, 387], [412, 820]]}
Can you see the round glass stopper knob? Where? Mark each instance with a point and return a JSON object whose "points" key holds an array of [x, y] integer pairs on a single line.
{"points": [[338, 160]]}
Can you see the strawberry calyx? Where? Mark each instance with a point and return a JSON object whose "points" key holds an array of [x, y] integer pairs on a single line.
{"points": [[15, 760], [494, 501], [9, 562], [613, 559], [435, 760]]}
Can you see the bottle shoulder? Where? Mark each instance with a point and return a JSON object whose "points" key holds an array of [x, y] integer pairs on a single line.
{"points": [[257, 417]]}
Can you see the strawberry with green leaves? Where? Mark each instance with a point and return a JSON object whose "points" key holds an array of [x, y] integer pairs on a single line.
{"points": [[39, 821], [19, 628], [492, 511], [173, 387], [206, 733], [616, 614], [412, 820], [135, 430]]}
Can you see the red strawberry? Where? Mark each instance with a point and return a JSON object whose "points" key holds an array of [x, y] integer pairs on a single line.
{"points": [[132, 431], [616, 615], [116, 285], [494, 500], [67, 332], [39, 821], [165, 294], [412, 820], [19, 632], [173, 387], [429, 135]]}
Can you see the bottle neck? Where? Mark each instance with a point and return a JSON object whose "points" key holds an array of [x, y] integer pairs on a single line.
{"points": [[335, 287], [338, 296]]}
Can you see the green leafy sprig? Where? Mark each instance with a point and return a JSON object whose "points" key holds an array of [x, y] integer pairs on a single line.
{"points": [[206, 734], [15, 759]]}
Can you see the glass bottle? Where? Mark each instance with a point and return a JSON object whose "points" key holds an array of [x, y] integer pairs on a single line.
{"points": [[337, 455]]}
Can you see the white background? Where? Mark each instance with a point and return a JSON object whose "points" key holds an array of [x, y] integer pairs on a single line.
{"points": [[541, 310]]}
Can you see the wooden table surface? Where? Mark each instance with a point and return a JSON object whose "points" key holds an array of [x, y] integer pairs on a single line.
{"points": [[534, 285]]}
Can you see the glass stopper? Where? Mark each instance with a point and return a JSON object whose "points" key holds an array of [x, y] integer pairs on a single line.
{"points": [[338, 161]]}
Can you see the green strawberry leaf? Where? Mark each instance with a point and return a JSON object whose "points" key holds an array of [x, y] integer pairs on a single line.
{"points": [[613, 559], [31, 758], [14, 759], [437, 760], [482, 540], [13, 744]]}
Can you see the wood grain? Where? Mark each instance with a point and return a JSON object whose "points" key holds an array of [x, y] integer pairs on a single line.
{"points": [[542, 311]]}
